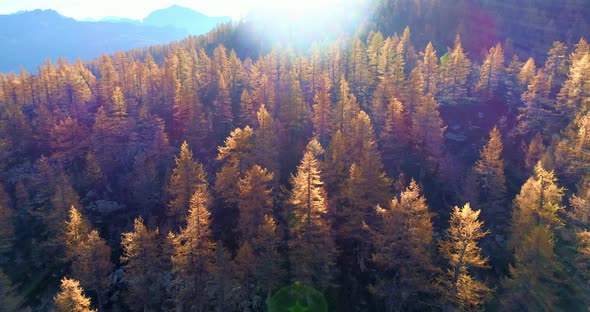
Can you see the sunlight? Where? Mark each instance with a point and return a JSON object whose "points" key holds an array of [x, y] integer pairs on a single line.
{"points": [[300, 22], [297, 10]]}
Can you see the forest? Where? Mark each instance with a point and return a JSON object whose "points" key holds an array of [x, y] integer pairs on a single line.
{"points": [[383, 174]]}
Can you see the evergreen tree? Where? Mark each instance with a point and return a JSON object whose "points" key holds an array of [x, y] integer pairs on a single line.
{"points": [[429, 69], [534, 152], [254, 201], [322, 108], [244, 268], [237, 157], [489, 170], [247, 110], [311, 249], [395, 136], [193, 255], [455, 68], [93, 266], [527, 73], [534, 275], [556, 66], [346, 108], [70, 298], [461, 289], [428, 132], [144, 267], [266, 141], [186, 179], [336, 163], [221, 286], [492, 70], [403, 251], [269, 272], [571, 153], [76, 233], [576, 88]]}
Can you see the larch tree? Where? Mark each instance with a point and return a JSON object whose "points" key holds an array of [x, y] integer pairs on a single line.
{"points": [[576, 89], [459, 285], [119, 106], [265, 150], [223, 116], [63, 198], [144, 267], [572, 152], [322, 109], [77, 229], [534, 152], [222, 285], [429, 69], [489, 170], [336, 163], [395, 136], [492, 69], [187, 177], [247, 109], [193, 255], [556, 66], [109, 79], [244, 268], [346, 108], [427, 132], [532, 279], [366, 186], [237, 157], [266, 244], [527, 72], [455, 68], [578, 219], [538, 114], [71, 298], [93, 266], [311, 249], [93, 174], [403, 251], [254, 201]]}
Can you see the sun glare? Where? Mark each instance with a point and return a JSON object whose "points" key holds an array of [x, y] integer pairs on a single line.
{"points": [[304, 21]]}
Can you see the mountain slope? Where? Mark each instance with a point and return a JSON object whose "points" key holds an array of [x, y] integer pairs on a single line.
{"points": [[29, 38], [193, 22]]}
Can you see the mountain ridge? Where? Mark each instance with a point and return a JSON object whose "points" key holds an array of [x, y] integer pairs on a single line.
{"points": [[29, 37]]}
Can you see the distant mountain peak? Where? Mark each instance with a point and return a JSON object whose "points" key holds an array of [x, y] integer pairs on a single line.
{"points": [[180, 17]]}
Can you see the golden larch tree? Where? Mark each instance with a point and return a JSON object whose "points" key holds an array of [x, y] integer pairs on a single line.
{"points": [[460, 288], [187, 177], [403, 250], [311, 249], [71, 298], [193, 255]]}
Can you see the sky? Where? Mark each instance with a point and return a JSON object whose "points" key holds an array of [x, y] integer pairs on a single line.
{"points": [[135, 9]]}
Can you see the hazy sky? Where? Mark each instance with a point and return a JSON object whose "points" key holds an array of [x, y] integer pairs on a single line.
{"points": [[135, 9]]}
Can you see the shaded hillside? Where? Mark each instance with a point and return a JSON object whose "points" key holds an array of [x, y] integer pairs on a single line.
{"points": [[192, 22], [531, 26], [29, 38]]}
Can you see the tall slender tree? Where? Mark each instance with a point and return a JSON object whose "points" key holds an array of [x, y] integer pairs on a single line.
{"points": [[460, 287], [311, 249], [403, 250]]}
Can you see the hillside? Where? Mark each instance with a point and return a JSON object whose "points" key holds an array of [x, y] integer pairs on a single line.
{"points": [[190, 21], [29, 38], [359, 170]]}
